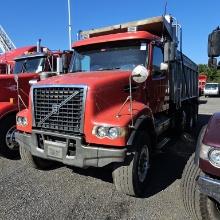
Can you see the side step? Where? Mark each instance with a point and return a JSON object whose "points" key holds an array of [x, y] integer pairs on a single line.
{"points": [[163, 143], [162, 125]]}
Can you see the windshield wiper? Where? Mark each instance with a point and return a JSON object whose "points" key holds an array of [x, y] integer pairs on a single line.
{"points": [[75, 71], [23, 68], [110, 68]]}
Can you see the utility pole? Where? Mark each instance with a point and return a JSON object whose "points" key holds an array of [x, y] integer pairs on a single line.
{"points": [[70, 26]]}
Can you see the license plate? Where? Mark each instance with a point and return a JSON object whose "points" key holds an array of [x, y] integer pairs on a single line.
{"points": [[55, 152]]}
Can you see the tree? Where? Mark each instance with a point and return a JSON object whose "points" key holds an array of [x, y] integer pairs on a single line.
{"points": [[212, 73]]}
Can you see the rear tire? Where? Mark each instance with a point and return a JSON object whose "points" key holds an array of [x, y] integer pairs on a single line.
{"points": [[180, 122], [192, 117], [196, 204], [33, 161], [131, 177], [195, 114]]}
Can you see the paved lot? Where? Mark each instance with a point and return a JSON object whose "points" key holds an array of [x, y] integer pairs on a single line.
{"points": [[66, 193]]}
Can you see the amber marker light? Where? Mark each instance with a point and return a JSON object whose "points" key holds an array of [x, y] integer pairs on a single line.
{"points": [[11, 100]]}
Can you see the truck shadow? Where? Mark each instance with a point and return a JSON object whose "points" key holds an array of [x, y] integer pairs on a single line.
{"points": [[166, 166], [103, 174], [203, 101], [11, 156]]}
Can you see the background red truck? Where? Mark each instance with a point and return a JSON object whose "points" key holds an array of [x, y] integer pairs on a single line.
{"points": [[201, 176], [202, 82], [128, 85], [7, 61], [26, 63]]}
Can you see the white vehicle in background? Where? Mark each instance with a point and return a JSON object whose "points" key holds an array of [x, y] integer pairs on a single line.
{"points": [[212, 89]]}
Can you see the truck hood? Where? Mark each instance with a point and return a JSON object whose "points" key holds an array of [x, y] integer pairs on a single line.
{"points": [[94, 80], [106, 100], [211, 137]]}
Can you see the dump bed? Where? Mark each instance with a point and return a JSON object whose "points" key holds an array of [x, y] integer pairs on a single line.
{"points": [[183, 79], [156, 25], [183, 75]]}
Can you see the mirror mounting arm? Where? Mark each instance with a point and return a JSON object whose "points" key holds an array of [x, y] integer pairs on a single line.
{"points": [[131, 101]]}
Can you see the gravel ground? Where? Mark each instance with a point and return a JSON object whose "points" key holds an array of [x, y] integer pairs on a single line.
{"points": [[67, 193]]}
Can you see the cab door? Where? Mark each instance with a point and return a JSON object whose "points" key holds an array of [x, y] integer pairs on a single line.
{"points": [[158, 91]]}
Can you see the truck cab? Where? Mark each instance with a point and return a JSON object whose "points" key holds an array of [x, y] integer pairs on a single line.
{"points": [[30, 64], [124, 91]]}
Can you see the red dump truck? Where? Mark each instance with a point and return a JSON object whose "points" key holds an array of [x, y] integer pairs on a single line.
{"points": [[22, 67], [7, 61], [128, 85], [201, 176], [202, 82]]}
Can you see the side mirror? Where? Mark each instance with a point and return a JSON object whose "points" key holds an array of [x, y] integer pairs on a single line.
{"points": [[214, 43], [67, 56], [163, 66], [59, 65], [140, 74], [212, 63], [170, 51]]}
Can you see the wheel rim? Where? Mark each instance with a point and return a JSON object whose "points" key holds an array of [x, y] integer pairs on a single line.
{"points": [[143, 164], [10, 139]]}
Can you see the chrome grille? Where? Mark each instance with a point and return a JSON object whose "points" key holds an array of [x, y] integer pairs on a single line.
{"points": [[65, 112]]}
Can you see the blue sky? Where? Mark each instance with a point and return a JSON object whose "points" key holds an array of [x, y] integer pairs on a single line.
{"points": [[27, 20]]}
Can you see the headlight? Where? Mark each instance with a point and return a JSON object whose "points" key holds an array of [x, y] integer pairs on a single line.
{"points": [[108, 132], [113, 132], [101, 131], [19, 120], [22, 121], [214, 157]]}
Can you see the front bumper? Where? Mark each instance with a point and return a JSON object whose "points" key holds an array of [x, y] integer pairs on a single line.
{"points": [[84, 155], [211, 93], [209, 187]]}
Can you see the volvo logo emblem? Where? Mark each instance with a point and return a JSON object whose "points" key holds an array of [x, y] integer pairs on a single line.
{"points": [[55, 109]]}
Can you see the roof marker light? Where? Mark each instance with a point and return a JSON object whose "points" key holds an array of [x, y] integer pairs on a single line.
{"points": [[132, 29], [84, 36]]}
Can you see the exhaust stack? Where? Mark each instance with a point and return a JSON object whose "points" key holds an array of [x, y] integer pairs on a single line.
{"points": [[39, 46]]}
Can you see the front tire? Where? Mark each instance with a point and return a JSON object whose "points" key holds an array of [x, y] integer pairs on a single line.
{"points": [[34, 162], [8, 145], [197, 205], [130, 178]]}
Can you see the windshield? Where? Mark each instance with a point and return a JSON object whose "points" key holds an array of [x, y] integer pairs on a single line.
{"points": [[211, 86], [3, 68], [110, 57], [29, 65]]}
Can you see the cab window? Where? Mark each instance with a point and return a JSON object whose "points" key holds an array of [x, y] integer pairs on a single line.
{"points": [[157, 60]]}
